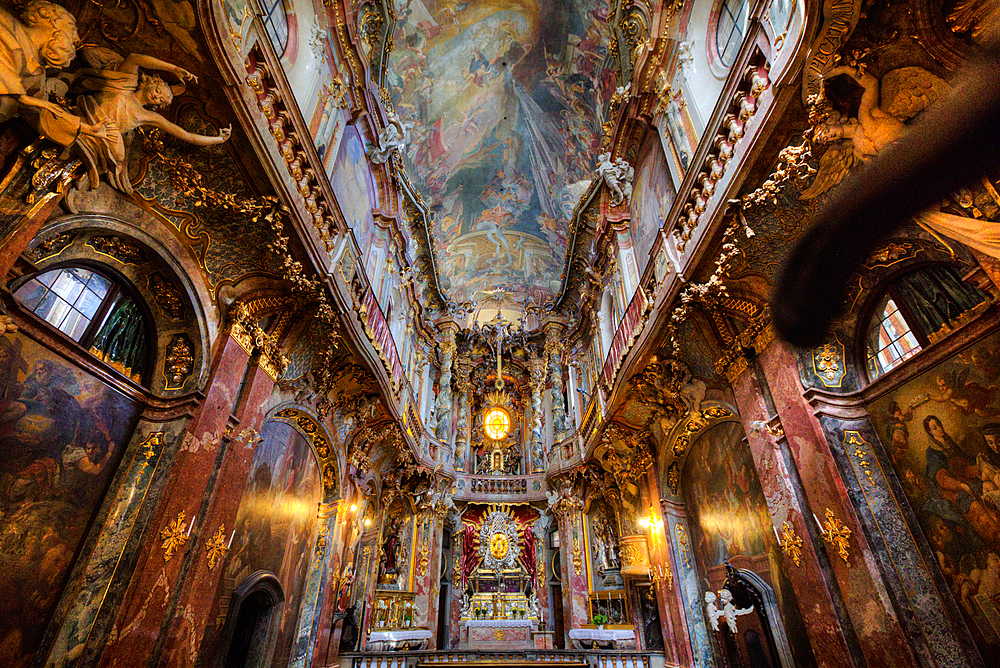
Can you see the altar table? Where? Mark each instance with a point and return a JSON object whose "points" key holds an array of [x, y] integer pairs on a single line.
{"points": [[497, 634], [620, 638], [379, 641]]}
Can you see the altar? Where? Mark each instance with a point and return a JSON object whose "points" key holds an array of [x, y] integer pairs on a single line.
{"points": [[498, 634]]}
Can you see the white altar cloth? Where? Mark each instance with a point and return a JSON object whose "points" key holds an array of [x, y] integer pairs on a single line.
{"points": [[381, 641], [585, 638], [393, 636]]}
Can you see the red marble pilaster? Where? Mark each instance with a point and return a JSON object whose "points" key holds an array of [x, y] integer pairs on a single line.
{"points": [[141, 616], [202, 581], [865, 596]]}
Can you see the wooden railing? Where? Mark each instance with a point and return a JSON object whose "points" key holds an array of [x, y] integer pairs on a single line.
{"points": [[556, 657]]}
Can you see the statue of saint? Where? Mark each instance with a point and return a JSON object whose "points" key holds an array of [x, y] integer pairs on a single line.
{"points": [[113, 91]]}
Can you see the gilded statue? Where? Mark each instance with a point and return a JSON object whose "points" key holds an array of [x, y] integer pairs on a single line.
{"points": [[885, 105], [113, 91], [44, 37]]}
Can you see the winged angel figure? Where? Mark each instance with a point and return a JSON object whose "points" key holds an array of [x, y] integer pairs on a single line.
{"points": [[884, 109]]}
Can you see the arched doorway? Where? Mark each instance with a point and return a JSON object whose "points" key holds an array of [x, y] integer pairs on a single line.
{"points": [[256, 614]]}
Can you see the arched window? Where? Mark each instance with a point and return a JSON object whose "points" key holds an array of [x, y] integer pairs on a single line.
{"points": [[96, 311], [276, 24], [919, 308], [730, 30]]}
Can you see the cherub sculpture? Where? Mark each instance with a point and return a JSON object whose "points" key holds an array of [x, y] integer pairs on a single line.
{"points": [[712, 611], [617, 177], [113, 91], [729, 610], [885, 105], [45, 37], [393, 138]]}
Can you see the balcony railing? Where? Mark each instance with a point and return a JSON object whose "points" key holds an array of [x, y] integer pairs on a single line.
{"points": [[628, 329], [378, 333]]}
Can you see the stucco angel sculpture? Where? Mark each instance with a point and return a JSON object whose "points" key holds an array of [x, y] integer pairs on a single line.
{"points": [[617, 177], [113, 91], [393, 138], [901, 94], [729, 610], [885, 105], [44, 37]]}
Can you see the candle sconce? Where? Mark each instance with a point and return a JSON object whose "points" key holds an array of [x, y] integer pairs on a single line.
{"points": [[836, 534]]}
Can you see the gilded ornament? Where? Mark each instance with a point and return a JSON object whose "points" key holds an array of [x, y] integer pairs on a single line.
{"points": [[499, 546], [51, 246], [855, 439], [166, 295], [673, 478], [216, 547], [682, 540], [828, 363], [179, 361], [791, 544], [122, 250], [174, 535], [836, 534], [423, 560]]}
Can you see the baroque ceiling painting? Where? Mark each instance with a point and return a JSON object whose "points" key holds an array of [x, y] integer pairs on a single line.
{"points": [[506, 103]]}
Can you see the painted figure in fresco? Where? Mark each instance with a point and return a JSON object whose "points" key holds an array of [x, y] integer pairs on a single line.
{"points": [[114, 92], [44, 37], [899, 433], [967, 396], [954, 488]]}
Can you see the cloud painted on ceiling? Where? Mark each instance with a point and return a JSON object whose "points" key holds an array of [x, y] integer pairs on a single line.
{"points": [[507, 101]]}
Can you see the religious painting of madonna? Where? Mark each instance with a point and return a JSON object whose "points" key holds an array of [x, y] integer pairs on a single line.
{"points": [[942, 431], [275, 527], [729, 521], [62, 433]]}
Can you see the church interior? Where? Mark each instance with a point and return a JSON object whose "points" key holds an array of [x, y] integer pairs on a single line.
{"points": [[402, 333]]}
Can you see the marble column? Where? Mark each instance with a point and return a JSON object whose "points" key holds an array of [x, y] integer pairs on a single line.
{"points": [[537, 441], [464, 387], [554, 346], [442, 411]]}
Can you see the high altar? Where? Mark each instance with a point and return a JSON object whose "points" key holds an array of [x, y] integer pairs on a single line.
{"points": [[499, 571]]}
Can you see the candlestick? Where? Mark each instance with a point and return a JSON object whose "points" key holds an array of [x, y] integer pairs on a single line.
{"points": [[822, 531], [777, 537], [231, 536], [191, 526]]}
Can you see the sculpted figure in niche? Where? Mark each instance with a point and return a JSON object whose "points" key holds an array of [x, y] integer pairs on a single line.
{"points": [[113, 91], [44, 37]]}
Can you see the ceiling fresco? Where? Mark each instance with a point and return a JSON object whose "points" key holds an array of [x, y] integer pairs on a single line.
{"points": [[506, 99]]}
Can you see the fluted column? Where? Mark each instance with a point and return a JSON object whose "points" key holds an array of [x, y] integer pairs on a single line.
{"points": [[537, 442], [554, 346], [446, 344], [464, 386]]}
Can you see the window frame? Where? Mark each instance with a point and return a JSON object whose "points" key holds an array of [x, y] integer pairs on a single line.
{"points": [[886, 287], [120, 286], [719, 51], [269, 10]]}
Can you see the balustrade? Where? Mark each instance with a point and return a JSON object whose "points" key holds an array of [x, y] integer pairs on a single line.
{"points": [[554, 657]]}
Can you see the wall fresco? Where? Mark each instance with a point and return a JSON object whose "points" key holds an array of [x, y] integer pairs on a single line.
{"points": [[507, 101], [61, 436], [730, 522], [652, 194], [274, 530], [942, 432]]}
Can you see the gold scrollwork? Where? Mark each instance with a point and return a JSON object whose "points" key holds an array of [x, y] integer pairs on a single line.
{"points": [[836, 534], [216, 547], [791, 544], [174, 535]]}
